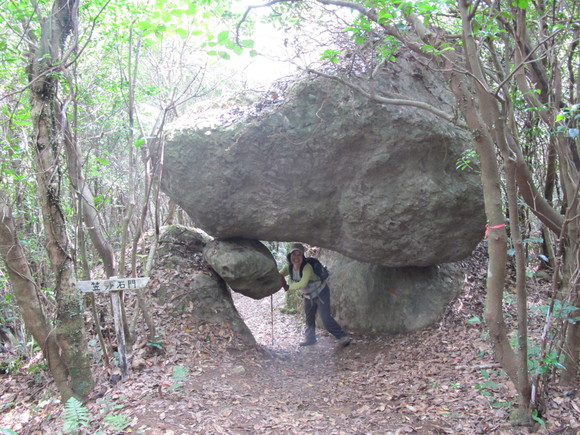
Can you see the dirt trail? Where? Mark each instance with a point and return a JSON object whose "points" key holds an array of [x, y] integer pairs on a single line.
{"points": [[441, 380], [417, 383]]}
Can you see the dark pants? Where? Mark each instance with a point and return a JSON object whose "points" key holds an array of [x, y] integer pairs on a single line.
{"points": [[322, 303]]}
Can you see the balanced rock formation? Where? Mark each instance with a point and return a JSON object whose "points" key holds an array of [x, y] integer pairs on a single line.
{"points": [[376, 182]]}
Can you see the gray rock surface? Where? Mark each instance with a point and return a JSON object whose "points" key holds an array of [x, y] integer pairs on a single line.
{"points": [[328, 167], [195, 288], [371, 298], [247, 266]]}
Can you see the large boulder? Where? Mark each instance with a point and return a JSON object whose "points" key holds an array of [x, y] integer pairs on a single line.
{"points": [[247, 266], [376, 182], [371, 298]]}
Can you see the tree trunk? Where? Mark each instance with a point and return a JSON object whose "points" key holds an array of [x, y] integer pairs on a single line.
{"points": [[481, 114], [548, 104], [86, 197], [571, 274], [171, 213], [25, 293], [47, 141]]}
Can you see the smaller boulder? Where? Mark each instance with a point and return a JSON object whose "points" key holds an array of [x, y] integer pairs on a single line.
{"points": [[247, 266], [191, 239]]}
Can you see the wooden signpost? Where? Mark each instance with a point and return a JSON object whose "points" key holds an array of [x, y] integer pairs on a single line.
{"points": [[115, 286]]}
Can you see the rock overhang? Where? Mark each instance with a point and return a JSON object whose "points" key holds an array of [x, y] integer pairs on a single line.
{"points": [[377, 183]]}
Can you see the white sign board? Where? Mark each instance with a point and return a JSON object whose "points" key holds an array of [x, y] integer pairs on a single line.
{"points": [[112, 284]]}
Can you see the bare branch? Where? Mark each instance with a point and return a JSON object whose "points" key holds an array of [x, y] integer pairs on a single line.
{"points": [[249, 9], [525, 61], [395, 101], [347, 4]]}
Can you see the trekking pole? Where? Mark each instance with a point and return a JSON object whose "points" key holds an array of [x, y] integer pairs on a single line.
{"points": [[272, 316]]}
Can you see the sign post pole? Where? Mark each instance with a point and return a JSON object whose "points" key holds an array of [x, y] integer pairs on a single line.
{"points": [[115, 287], [120, 332]]}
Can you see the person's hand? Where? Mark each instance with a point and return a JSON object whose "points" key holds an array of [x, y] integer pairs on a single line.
{"points": [[284, 283]]}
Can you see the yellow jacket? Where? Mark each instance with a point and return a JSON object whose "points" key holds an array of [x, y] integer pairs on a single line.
{"points": [[309, 281]]}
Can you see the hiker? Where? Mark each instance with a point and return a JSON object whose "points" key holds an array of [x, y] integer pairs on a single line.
{"points": [[315, 293]]}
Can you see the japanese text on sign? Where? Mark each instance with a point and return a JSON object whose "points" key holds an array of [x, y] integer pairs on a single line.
{"points": [[111, 285]]}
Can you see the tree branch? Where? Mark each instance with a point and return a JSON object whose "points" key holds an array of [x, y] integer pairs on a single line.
{"points": [[248, 10], [394, 101]]}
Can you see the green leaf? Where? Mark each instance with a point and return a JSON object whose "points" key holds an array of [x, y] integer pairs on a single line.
{"points": [[102, 161], [223, 37], [537, 418], [181, 32], [161, 28], [523, 4], [248, 43], [139, 143], [474, 319], [144, 25], [21, 123], [331, 55]]}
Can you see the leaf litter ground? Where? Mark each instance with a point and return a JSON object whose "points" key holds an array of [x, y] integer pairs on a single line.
{"points": [[440, 380]]}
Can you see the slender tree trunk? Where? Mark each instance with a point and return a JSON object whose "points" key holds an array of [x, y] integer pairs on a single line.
{"points": [[88, 208], [571, 273], [572, 342], [25, 293], [70, 329], [44, 62], [481, 116], [91, 296], [171, 213], [523, 386], [548, 103]]}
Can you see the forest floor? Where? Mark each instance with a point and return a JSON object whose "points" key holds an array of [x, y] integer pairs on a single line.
{"points": [[440, 380]]}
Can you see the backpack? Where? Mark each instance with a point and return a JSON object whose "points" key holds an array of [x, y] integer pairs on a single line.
{"points": [[319, 269]]}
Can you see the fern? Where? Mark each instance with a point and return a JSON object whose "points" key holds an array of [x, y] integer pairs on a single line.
{"points": [[116, 423], [178, 377], [75, 416]]}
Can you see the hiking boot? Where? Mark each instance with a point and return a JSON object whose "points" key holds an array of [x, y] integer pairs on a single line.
{"points": [[344, 341], [307, 343]]}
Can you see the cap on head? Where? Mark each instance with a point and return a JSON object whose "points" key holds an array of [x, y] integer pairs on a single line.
{"points": [[297, 247]]}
